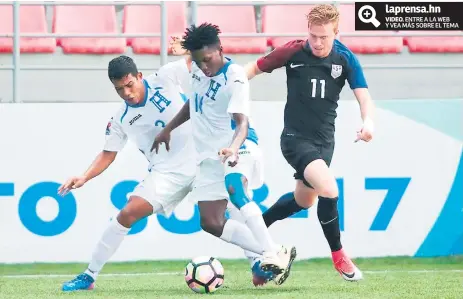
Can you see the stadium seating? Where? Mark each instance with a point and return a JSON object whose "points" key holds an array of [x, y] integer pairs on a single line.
{"points": [[87, 19], [434, 44], [32, 20], [365, 45], [147, 19], [284, 19], [231, 19], [234, 19]]}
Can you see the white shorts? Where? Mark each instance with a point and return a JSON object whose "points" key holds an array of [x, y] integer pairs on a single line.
{"points": [[209, 184], [164, 189]]}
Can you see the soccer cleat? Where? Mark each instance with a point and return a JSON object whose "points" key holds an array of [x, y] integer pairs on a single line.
{"points": [[287, 255], [259, 277], [81, 282], [271, 262], [345, 267]]}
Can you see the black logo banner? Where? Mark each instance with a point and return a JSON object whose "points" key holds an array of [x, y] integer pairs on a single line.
{"points": [[404, 16]]}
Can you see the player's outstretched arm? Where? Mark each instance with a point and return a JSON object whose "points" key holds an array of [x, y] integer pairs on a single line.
{"points": [[273, 60], [100, 164], [241, 133], [182, 117], [252, 70], [366, 111], [164, 136], [175, 45], [359, 86]]}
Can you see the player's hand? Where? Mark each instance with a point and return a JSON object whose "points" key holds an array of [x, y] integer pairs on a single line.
{"points": [[72, 183], [366, 133], [163, 137], [176, 47], [229, 154]]}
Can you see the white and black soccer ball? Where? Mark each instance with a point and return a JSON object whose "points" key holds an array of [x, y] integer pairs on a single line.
{"points": [[204, 274]]}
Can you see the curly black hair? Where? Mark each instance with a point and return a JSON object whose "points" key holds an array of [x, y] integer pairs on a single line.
{"points": [[120, 67], [198, 37]]}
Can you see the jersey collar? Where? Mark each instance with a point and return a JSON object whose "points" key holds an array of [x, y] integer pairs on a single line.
{"points": [[224, 69], [142, 104]]}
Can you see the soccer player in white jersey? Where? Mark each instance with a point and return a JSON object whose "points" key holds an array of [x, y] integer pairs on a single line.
{"points": [[228, 156], [149, 103]]}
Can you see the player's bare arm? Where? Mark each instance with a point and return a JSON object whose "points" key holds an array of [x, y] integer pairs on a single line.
{"points": [[366, 111], [241, 132], [100, 164], [164, 136], [175, 45], [252, 70]]}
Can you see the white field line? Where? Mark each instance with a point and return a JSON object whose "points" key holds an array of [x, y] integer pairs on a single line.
{"points": [[181, 273]]}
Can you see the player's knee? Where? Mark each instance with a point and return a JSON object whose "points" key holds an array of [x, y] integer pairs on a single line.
{"points": [[328, 189], [126, 218], [330, 192], [213, 226], [236, 186]]}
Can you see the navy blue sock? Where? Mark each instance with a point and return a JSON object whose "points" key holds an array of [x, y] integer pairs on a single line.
{"points": [[327, 212], [285, 207]]}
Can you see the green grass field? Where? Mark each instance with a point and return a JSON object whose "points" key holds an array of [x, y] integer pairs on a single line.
{"points": [[384, 278]]}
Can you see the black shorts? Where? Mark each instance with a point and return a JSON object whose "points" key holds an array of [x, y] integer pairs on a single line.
{"points": [[300, 152]]}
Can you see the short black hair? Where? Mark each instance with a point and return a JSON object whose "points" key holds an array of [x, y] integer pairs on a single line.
{"points": [[198, 37], [120, 67]]}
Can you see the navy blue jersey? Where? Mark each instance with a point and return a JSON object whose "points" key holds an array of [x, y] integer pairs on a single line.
{"points": [[314, 85]]}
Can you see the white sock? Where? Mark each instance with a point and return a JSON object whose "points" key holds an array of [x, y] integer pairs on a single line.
{"points": [[253, 217], [108, 244], [239, 234], [235, 214]]}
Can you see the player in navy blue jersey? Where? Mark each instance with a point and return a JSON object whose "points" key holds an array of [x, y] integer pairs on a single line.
{"points": [[316, 69]]}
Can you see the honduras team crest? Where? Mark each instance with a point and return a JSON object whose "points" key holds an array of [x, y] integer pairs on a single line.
{"points": [[336, 70]]}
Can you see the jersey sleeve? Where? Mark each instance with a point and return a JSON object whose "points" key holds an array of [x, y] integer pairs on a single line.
{"points": [[238, 88], [355, 75], [279, 56], [115, 136], [175, 71]]}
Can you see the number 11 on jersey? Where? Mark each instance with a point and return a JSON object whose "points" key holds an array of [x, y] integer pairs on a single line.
{"points": [[314, 88]]}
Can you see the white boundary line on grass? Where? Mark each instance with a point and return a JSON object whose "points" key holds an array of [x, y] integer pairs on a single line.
{"points": [[181, 273]]}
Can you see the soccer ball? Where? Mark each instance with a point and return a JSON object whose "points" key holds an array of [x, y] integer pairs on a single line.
{"points": [[204, 274]]}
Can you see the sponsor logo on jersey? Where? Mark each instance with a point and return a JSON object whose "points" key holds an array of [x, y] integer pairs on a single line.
{"points": [[134, 119], [196, 77]]}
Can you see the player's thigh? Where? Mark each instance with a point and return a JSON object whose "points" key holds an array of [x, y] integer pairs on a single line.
{"points": [[305, 196], [249, 166], [165, 190], [213, 210], [321, 178]]}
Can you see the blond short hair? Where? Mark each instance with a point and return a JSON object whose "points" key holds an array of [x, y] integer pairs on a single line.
{"points": [[323, 14]]}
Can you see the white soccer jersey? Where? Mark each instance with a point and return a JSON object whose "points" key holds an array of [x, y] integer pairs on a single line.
{"points": [[141, 123], [213, 100], [178, 73]]}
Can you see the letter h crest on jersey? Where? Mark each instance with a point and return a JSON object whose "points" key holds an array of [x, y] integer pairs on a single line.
{"points": [[213, 89], [336, 70]]}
